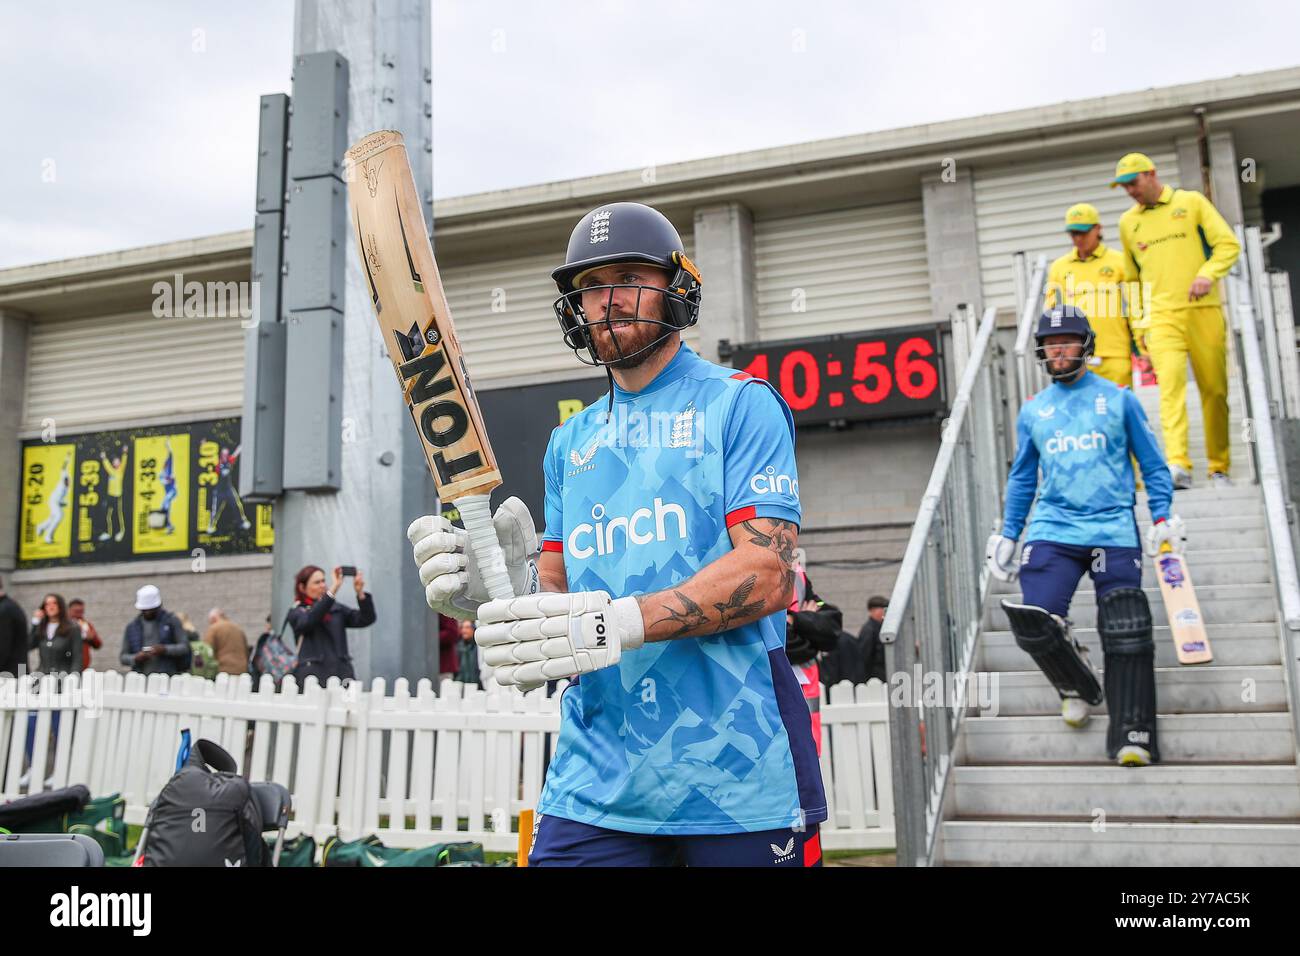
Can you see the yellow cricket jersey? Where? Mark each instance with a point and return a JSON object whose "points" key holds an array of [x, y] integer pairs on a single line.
{"points": [[1173, 242], [1095, 285], [114, 488]]}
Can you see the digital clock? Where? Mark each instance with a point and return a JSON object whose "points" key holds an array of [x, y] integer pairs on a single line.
{"points": [[867, 376]]}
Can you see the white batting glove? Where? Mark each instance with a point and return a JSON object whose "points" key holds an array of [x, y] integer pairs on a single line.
{"points": [[1173, 530], [1000, 553], [554, 635], [448, 571]]}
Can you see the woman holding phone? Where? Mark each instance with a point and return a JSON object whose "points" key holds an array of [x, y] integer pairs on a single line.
{"points": [[320, 623]]}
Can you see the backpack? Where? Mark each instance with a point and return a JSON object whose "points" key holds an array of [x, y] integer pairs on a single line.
{"points": [[203, 660], [273, 656], [205, 815], [369, 852]]}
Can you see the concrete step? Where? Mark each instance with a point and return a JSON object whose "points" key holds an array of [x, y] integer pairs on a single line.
{"points": [[1164, 791], [1204, 689], [1190, 738], [1220, 604], [1119, 843], [1234, 644], [1207, 506], [1207, 567]]}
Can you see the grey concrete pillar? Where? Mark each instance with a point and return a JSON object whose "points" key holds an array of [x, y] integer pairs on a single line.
{"points": [[15, 334], [724, 252], [951, 242], [385, 482], [1188, 174], [1225, 175]]}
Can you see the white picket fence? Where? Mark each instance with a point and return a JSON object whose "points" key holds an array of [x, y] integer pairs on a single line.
{"points": [[414, 769]]}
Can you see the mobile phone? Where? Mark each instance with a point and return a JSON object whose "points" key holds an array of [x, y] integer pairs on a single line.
{"points": [[348, 571]]}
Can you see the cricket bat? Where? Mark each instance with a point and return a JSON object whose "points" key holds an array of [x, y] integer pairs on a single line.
{"points": [[1185, 622], [415, 322]]}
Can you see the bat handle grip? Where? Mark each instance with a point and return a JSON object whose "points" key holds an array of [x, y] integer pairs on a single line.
{"points": [[476, 513]]}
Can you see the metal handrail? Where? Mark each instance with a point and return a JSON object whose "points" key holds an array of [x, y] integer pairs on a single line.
{"points": [[1029, 376], [1264, 411], [937, 605]]}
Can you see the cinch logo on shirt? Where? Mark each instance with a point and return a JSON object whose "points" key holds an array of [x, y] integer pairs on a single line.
{"points": [[1061, 442], [770, 483], [603, 530]]}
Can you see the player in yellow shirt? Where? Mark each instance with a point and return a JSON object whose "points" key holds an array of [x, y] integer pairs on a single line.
{"points": [[1179, 246], [116, 470], [1094, 278]]}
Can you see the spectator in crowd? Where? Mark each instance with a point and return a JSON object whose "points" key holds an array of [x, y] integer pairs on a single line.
{"points": [[154, 641], [467, 652], [90, 636], [254, 671], [320, 624], [228, 642], [858, 659], [448, 655], [55, 637], [13, 635], [811, 626]]}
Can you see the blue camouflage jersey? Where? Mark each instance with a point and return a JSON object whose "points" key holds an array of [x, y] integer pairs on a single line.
{"points": [[1081, 435], [692, 735]]}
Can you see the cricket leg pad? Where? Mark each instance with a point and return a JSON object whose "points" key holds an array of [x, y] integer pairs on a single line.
{"points": [[1124, 621], [1047, 639]]}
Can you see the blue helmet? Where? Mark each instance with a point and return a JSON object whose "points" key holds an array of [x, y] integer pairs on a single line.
{"points": [[1064, 320]]}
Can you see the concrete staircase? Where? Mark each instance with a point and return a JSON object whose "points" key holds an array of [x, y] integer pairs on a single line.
{"points": [[1028, 790]]}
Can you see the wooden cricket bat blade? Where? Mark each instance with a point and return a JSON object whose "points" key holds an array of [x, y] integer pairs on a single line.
{"points": [[1186, 625]]}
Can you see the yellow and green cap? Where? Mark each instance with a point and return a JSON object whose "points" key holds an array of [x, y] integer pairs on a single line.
{"points": [[1129, 166], [1081, 217]]}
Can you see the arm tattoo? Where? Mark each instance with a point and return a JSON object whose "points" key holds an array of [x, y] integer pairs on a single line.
{"points": [[691, 616], [779, 538], [736, 610]]}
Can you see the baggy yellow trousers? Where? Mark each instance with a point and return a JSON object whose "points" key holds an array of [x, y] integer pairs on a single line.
{"points": [[1201, 335], [1115, 369]]}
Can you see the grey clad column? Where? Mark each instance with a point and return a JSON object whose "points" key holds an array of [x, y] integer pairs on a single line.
{"points": [[384, 482], [724, 253], [14, 338], [951, 245]]}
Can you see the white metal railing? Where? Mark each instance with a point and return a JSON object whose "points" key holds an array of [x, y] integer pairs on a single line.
{"points": [[1030, 378], [937, 606], [1268, 362], [413, 768]]}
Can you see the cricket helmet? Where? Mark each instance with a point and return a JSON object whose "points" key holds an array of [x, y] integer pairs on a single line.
{"points": [[625, 232], [1064, 320]]}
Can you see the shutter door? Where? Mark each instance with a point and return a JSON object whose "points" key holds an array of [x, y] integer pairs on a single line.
{"points": [[847, 270], [1021, 208], [507, 326], [132, 367]]}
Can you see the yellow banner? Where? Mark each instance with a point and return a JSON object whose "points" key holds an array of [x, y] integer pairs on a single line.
{"points": [[265, 536], [160, 511], [46, 517]]}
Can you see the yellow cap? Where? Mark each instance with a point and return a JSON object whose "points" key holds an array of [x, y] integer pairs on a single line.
{"points": [[1129, 166], [1081, 217]]}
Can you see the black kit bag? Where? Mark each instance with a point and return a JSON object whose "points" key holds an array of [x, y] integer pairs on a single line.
{"points": [[206, 815]]}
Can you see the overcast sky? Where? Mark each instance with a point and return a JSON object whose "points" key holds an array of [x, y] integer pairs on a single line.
{"points": [[133, 122]]}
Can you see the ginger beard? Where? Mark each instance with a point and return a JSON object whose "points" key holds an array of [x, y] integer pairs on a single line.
{"points": [[627, 333], [1064, 354]]}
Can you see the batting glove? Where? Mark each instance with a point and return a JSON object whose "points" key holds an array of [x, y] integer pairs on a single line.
{"points": [[1173, 530], [448, 571], [1000, 553], [553, 635]]}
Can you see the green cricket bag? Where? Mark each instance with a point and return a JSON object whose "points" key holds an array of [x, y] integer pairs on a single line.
{"points": [[369, 851], [298, 852]]}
